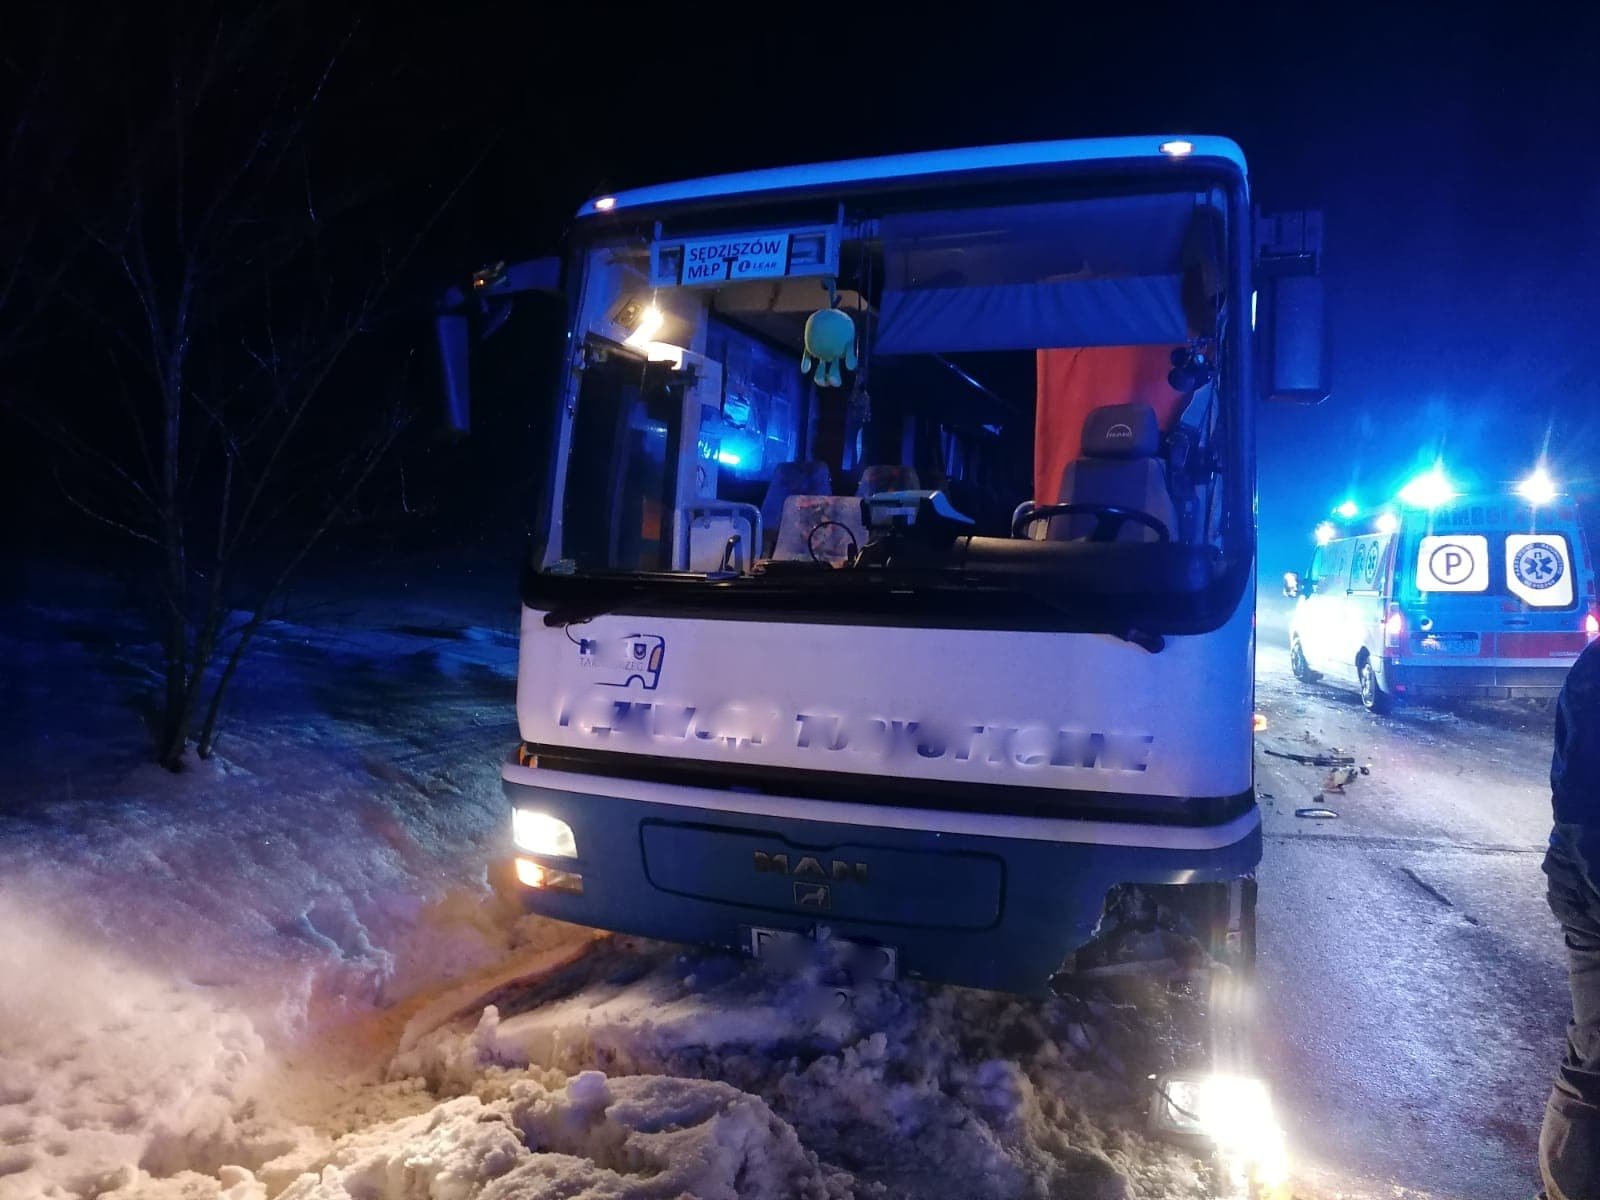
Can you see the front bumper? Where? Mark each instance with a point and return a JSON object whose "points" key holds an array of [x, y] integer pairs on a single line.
{"points": [[959, 905]]}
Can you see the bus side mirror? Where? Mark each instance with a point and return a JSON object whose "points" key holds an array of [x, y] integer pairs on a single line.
{"points": [[1291, 333], [1291, 584], [472, 312]]}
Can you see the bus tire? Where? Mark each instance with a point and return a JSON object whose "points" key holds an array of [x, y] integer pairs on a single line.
{"points": [[1298, 665], [1373, 698]]}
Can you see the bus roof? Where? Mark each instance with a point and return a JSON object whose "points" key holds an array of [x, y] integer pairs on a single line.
{"points": [[923, 163]]}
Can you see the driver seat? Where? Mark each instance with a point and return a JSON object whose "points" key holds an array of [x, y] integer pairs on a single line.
{"points": [[1120, 467]]}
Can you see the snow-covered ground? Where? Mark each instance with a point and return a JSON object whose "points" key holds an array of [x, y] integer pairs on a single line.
{"points": [[295, 971]]}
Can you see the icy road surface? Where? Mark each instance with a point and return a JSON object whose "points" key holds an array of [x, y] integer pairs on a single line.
{"points": [[1414, 993]]}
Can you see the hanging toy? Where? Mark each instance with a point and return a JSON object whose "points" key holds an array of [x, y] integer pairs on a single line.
{"points": [[830, 340]]}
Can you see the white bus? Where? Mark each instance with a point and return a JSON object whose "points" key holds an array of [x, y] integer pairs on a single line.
{"points": [[929, 480]]}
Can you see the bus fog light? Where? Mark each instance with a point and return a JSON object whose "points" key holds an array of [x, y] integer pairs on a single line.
{"points": [[1232, 1112], [540, 833], [537, 875]]}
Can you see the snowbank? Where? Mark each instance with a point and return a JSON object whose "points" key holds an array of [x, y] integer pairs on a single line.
{"points": [[190, 959]]}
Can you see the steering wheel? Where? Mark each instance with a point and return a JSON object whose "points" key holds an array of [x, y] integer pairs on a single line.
{"points": [[1109, 519], [811, 541]]}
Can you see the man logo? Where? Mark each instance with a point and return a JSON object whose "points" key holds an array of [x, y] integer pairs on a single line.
{"points": [[1119, 431], [812, 895], [810, 867]]}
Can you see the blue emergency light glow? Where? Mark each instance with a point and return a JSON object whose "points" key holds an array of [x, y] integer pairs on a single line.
{"points": [[728, 458], [1387, 522], [1326, 533], [1428, 490], [1347, 510], [1538, 488]]}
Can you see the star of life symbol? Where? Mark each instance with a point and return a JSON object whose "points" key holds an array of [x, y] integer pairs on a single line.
{"points": [[1538, 566]]}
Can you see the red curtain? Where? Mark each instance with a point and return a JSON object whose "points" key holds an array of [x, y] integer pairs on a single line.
{"points": [[1073, 382]]}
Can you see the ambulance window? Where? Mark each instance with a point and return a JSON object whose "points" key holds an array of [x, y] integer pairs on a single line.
{"points": [[1453, 562], [1336, 567], [1539, 569], [1319, 563], [1367, 557]]}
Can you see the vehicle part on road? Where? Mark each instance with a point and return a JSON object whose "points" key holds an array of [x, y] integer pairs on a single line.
{"points": [[1338, 778], [1313, 760]]}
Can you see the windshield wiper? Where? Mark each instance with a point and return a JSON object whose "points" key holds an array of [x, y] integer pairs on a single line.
{"points": [[626, 591], [580, 611]]}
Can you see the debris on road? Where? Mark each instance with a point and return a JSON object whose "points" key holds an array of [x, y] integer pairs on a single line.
{"points": [[1316, 813], [1338, 778], [1324, 759]]}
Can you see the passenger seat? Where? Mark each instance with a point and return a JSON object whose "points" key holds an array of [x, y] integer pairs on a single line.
{"points": [[1120, 467], [820, 529], [887, 478], [790, 479]]}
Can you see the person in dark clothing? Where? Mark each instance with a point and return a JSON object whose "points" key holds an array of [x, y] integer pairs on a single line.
{"points": [[1569, 1143]]}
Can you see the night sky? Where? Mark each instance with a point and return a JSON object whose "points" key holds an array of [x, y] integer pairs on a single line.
{"points": [[1450, 150]]}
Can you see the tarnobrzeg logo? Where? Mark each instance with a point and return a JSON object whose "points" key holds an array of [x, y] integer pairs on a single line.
{"points": [[1538, 565]]}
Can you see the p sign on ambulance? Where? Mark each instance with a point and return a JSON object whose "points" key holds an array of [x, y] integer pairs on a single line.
{"points": [[1453, 563]]}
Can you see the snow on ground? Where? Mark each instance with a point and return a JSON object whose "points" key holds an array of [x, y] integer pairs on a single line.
{"points": [[239, 982]]}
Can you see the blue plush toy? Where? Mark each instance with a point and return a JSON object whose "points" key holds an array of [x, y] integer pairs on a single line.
{"points": [[830, 340]]}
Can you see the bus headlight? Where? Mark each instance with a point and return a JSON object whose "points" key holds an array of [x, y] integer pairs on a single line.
{"points": [[1232, 1112], [540, 833]]}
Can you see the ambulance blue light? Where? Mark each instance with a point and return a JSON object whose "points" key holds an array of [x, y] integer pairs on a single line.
{"points": [[728, 458], [1347, 510], [1428, 490], [1326, 533], [1538, 488], [1388, 522]]}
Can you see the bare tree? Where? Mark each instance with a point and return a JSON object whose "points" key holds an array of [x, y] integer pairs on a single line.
{"points": [[244, 253]]}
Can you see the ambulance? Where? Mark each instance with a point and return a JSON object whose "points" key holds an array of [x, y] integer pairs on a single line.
{"points": [[1488, 594]]}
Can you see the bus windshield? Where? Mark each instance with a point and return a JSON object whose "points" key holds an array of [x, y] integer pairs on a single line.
{"points": [[745, 379]]}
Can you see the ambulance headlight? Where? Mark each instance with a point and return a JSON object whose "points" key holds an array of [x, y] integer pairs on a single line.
{"points": [[1232, 1112], [540, 833]]}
